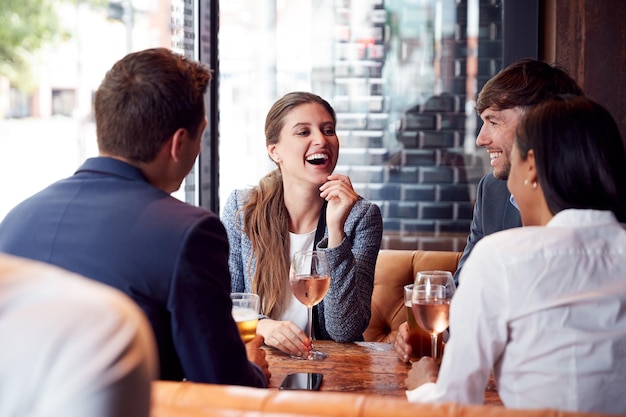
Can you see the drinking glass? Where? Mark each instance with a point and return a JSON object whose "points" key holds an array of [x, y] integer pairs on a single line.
{"points": [[419, 339], [432, 293], [245, 313], [309, 277]]}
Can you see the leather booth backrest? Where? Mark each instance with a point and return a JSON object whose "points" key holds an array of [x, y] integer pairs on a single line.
{"points": [[396, 268], [189, 399]]}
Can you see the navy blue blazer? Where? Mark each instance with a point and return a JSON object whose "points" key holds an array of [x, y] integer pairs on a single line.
{"points": [[493, 211], [108, 223]]}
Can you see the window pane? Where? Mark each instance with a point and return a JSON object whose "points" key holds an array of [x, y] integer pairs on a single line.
{"points": [[46, 122], [402, 76]]}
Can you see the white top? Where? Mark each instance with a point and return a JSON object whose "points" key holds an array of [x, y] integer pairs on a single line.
{"points": [[546, 308], [70, 346], [296, 311]]}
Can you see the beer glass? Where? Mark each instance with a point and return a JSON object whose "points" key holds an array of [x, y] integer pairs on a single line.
{"points": [[245, 313]]}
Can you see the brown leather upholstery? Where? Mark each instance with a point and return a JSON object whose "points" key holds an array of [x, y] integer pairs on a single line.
{"points": [[395, 269], [188, 399]]}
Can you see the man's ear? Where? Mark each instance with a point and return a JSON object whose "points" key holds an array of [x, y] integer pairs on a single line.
{"points": [[176, 142]]}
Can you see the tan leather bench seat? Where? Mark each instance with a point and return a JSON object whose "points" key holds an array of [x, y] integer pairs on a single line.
{"points": [[394, 270]]}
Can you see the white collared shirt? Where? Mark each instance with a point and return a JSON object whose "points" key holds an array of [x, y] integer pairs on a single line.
{"points": [[513, 202], [545, 308], [70, 346]]}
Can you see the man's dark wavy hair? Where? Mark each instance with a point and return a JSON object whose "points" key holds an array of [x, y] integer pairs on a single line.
{"points": [[524, 84]]}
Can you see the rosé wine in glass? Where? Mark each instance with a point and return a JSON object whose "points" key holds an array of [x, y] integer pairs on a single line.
{"points": [[310, 289], [309, 277], [418, 338], [432, 293]]}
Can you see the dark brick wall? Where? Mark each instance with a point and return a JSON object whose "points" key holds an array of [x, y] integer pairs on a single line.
{"points": [[415, 168]]}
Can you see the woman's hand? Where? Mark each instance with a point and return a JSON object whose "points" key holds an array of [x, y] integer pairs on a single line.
{"points": [[285, 336], [341, 197], [423, 371]]}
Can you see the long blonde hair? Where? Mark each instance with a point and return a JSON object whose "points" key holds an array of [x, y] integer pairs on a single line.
{"points": [[266, 219]]}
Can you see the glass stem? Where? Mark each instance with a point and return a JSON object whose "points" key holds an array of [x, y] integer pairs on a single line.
{"points": [[433, 342], [309, 324], [309, 329]]}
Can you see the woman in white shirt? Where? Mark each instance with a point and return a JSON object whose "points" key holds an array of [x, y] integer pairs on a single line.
{"points": [[544, 306]]}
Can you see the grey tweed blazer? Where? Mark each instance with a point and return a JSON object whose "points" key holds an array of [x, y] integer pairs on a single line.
{"points": [[345, 312]]}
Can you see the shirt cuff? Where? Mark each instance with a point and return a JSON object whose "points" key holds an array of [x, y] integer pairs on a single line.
{"points": [[425, 393]]}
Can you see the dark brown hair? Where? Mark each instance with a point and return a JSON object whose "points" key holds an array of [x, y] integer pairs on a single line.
{"points": [[579, 154], [524, 84], [144, 98]]}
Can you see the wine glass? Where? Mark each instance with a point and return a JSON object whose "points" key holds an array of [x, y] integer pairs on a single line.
{"points": [[419, 339], [432, 293], [309, 277]]}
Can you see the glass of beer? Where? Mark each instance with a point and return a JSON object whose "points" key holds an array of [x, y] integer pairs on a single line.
{"points": [[245, 313], [419, 339]]}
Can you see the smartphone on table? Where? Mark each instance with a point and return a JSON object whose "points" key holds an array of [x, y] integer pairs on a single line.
{"points": [[309, 381]]}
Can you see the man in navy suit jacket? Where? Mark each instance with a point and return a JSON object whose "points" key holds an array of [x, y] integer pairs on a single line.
{"points": [[494, 210], [501, 104], [115, 221]]}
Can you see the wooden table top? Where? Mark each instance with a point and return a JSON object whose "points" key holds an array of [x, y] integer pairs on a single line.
{"points": [[354, 367]]}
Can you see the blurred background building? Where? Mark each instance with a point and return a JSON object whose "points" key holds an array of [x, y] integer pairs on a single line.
{"points": [[403, 76]]}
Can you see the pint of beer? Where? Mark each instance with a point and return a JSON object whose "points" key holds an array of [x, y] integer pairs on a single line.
{"points": [[246, 314], [419, 339]]}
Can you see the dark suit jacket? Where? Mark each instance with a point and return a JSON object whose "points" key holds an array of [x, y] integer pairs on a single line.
{"points": [[493, 211], [108, 223]]}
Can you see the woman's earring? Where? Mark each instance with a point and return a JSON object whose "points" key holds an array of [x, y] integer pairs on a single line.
{"points": [[534, 185]]}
